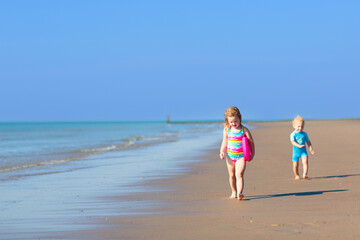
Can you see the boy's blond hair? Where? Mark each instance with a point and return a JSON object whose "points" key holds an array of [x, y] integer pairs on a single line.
{"points": [[298, 119], [231, 112]]}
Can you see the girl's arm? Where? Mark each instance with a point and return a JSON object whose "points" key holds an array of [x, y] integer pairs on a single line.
{"points": [[252, 143], [223, 144], [310, 147]]}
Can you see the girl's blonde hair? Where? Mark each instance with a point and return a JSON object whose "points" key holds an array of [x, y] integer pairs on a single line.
{"points": [[231, 112], [298, 119]]}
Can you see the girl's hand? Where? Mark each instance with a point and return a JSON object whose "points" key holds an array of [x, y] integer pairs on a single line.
{"points": [[222, 155]]}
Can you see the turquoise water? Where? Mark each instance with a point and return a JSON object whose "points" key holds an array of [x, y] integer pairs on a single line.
{"points": [[63, 176], [24, 146]]}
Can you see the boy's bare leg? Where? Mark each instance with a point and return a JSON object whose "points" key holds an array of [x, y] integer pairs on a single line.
{"points": [[305, 167], [232, 178], [296, 170]]}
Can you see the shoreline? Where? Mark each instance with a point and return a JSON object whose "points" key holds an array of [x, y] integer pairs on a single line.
{"points": [[52, 200], [195, 205]]}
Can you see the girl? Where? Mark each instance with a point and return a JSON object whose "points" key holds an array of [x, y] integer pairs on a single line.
{"points": [[232, 144]]}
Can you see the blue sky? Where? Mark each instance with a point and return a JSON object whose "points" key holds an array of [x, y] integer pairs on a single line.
{"points": [[145, 60]]}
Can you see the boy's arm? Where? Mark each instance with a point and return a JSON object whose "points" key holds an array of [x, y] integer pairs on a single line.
{"points": [[296, 144], [223, 145], [310, 147], [293, 142]]}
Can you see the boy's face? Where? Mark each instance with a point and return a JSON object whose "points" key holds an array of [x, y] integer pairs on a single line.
{"points": [[298, 126], [234, 121]]}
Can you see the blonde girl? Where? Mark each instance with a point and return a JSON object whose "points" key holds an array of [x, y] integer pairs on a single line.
{"points": [[231, 149]]}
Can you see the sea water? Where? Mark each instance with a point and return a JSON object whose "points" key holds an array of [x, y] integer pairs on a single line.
{"points": [[55, 174], [26, 146]]}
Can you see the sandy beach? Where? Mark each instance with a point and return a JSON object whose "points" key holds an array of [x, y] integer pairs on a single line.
{"points": [[196, 205]]}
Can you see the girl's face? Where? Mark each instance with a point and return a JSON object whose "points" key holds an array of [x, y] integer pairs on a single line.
{"points": [[234, 121], [298, 126]]}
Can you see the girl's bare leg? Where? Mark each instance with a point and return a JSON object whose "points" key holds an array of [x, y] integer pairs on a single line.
{"points": [[240, 167], [305, 167], [232, 179], [296, 170]]}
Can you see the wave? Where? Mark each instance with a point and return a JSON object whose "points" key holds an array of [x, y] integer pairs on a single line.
{"points": [[95, 150], [82, 154], [52, 162], [59, 144]]}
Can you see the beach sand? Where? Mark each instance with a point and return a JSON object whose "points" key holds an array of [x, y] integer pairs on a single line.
{"points": [[196, 205]]}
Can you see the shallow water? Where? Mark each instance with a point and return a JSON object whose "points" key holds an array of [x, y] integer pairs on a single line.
{"points": [[41, 199]]}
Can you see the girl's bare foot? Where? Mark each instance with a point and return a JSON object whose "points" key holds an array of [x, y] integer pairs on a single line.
{"points": [[233, 195], [297, 177], [241, 196], [305, 177]]}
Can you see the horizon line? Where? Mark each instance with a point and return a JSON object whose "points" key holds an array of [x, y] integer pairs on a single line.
{"points": [[165, 121]]}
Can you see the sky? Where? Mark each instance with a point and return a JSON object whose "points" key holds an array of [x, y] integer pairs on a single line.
{"points": [[119, 60]]}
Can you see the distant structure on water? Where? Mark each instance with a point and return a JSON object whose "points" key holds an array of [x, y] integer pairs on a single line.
{"points": [[168, 119]]}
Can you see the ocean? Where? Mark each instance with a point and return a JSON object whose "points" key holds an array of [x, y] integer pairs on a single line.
{"points": [[50, 170]]}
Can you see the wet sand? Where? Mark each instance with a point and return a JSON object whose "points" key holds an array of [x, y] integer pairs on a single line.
{"points": [[196, 205]]}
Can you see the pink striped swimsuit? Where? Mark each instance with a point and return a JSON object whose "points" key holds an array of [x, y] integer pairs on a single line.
{"points": [[234, 144]]}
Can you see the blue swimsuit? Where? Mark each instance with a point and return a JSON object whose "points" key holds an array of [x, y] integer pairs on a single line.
{"points": [[300, 138]]}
